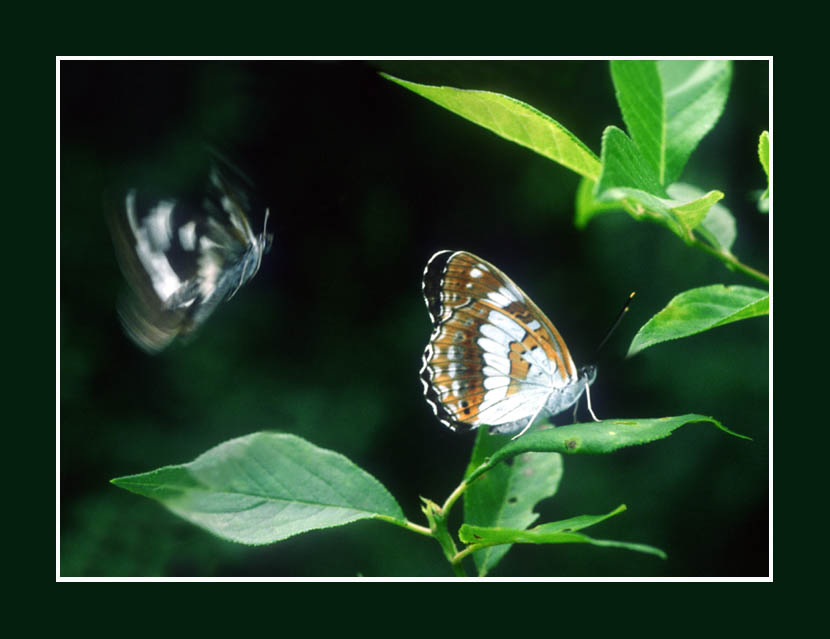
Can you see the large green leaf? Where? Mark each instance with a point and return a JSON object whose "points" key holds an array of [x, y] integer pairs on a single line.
{"points": [[668, 106], [514, 121], [265, 487], [641, 101], [506, 495], [698, 310], [592, 438], [557, 532]]}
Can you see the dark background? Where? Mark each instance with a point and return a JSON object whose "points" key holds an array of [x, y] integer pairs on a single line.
{"points": [[366, 180]]}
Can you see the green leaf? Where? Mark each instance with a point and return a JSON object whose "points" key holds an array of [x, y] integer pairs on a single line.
{"points": [[668, 106], [624, 167], [514, 121], [640, 98], [717, 225], [628, 178], [763, 155], [763, 151], [265, 487], [560, 532], [627, 175], [593, 438], [505, 496], [698, 310], [692, 213]]}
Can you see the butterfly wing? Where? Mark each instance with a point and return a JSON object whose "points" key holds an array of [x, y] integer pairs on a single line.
{"points": [[494, 358], [181, 258]]}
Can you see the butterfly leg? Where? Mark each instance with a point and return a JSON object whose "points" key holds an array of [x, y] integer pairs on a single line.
{"points": [[529, 422], [588, 396], [241, 280]]}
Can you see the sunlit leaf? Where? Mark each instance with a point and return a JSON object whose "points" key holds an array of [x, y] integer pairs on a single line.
{"points": [[718, 224], [692, 213], [514, 121], [669, 106]]}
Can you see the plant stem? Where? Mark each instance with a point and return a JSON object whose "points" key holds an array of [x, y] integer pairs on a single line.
{"points": [[731, 261], [469, 550], [437, 518], [445, 509], [438, 530], [421, 530]]}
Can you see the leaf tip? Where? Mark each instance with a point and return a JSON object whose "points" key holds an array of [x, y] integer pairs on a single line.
{"points": [[394, 79], [635, 348], [714, 421]]}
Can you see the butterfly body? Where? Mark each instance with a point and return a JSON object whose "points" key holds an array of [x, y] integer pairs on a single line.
{"points": [[493, 358], [182, 259]]}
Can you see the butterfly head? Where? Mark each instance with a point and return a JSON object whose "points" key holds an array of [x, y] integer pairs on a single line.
{"points": [[588, 373], [264, 241]]}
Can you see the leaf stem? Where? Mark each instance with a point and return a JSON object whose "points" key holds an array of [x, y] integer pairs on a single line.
{"points": [[459, 490], [421, 530], [731, 261], [437, 517], [469, 550]]}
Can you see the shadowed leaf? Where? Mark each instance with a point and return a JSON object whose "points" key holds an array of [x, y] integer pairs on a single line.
{"points": [[265, 487]]}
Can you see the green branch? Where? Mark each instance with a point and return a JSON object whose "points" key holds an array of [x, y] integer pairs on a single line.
{"points": [[638, 212]]}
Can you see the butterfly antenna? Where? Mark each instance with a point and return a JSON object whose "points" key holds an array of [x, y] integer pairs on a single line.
{"points": [[616, 322], [265, 223]]}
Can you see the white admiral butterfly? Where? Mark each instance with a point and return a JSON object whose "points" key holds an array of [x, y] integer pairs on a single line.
{"points": [[493, 358], [182, 258]]}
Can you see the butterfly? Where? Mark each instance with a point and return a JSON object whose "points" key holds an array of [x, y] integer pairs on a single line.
{"points": [[182, 258], [493, 358]]}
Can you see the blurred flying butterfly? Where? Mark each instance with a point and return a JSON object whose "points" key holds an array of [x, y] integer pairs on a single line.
{"points": [[493, 358], [182, 258]]}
